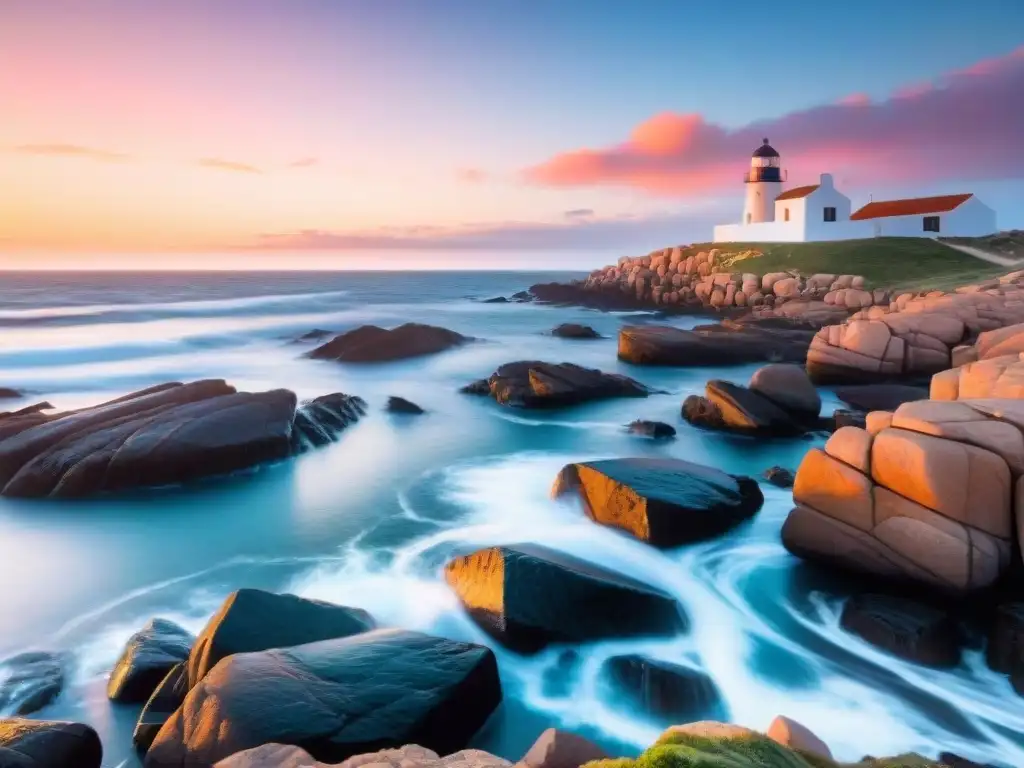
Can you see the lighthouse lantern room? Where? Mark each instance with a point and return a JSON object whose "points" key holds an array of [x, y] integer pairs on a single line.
{"points": [[764, 184]]}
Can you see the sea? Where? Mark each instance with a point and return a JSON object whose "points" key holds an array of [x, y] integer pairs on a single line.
{"points": [[370, 520]]}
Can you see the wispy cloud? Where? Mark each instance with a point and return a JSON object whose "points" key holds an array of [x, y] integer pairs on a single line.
{"points": [[305, 162], [966, 125], [220, 164], [579, 213], [472, 175], [72, 150]]}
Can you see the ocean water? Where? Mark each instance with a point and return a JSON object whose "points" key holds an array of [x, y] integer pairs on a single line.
{"points": [[370, 520]]}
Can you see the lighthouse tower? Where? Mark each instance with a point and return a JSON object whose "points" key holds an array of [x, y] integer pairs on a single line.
{"points": [[764, 184]]}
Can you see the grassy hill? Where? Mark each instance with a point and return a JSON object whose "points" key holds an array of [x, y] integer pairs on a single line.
{"points": [[886, 262]]}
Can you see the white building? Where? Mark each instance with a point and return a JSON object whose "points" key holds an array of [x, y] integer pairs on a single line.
{"points": [[820, 212]]}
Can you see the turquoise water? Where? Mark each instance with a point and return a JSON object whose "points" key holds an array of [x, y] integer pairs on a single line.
{"points": [[370, 520]]}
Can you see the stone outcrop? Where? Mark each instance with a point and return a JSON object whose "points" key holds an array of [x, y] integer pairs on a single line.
{"points": [[665, 502], [997, 377], [164, 435], [535, 384], [48, 744], [401, 405], [146, 659], [371, 344], [527, 596], [30, 681], [335, 699], [725, 344], [928, 494]]}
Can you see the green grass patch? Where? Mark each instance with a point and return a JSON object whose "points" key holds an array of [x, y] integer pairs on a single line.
{"points": [[910, 263]]}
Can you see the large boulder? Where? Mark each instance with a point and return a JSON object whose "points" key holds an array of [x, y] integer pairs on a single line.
{"points": [[163, 435], [48, 744], [335, 699], [665, 502], [166, 698], [527, 596], [535, 384], [925, 495], [254, 620], [905, 628], [146, 659], [997, 377], [320, 420], [664, 690], [713, 345], [789, 387], [30, 681], [409, 756], [371, 344], [744, 410]]}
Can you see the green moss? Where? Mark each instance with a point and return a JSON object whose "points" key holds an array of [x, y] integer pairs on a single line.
{"points": [[910, 263], [676, 750]]}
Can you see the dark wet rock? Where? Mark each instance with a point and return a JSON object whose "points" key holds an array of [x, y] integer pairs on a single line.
{"points": [[575, 331], [335, 699], [314, 335], [657, 430], [952, 760], [8, 393], [743, 410], [30, 681], [48, 744], [880, 397], [496, 300], [29, 410], [535, 384], [560, 749], [780, 476], [1005, 650], [522, 296], [371, 344], [254, 620], [573, 294], [147, 658], [905, 628], [164, 435], [712, 345], [789, 387], [665, 502], [701, 412], [167, 697], [527, 596], [322, 419], [842, 417], [667, 691], [401, 405]]}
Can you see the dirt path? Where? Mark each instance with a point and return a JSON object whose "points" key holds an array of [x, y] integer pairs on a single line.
{"points": [[991, 258]]}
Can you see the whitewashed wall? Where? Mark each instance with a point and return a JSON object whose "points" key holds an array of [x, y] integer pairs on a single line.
{"points": [[970, 219]]}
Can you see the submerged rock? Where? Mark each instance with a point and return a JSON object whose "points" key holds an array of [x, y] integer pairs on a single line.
{"points": [[401, 405], [904, 628], [254, 620], [335, 699], [48, 744], [147, 658], [575, 331], [712, 345], [665, 502], [880, 397], [30, 681], [1005, 650], [314, 335], [164, 435], [665, 690], [7, 393], [527, 596], [657, 430], [496, 300], [534, 384], [780, 476], [371, 344]]}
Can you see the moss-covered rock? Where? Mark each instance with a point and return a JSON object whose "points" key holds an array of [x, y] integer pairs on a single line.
{"points": [[745, 750]]}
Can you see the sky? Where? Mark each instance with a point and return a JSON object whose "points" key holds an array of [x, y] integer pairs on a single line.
{"points": [[271, 133]]}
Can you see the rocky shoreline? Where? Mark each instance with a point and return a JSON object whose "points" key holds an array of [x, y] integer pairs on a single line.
{"points": [[918, 493]]}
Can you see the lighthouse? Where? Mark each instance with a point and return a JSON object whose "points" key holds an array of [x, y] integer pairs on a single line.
{"points": [[764, 184]]}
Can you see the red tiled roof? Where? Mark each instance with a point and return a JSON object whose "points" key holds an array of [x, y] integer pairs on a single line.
{"points": [[913, 206], [797, 192]]}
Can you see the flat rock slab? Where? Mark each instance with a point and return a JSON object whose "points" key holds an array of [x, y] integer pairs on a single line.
{"points": [[536, 384], [335, 699], [164, 435], [904, 628], [372, 344], [48, 744], [665, 502], [712, 345], [528, 596]]}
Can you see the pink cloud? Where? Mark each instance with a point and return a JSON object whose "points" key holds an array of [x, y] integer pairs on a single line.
{"points": [[304, 162], [472, 175], [855, 100], [966, 126], [71, 150], [219, 164]]}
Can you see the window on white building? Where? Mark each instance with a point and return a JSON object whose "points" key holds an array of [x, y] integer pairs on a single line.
{"points": [[785, 214], [931, 223], [830, 214], [748, 218]]}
